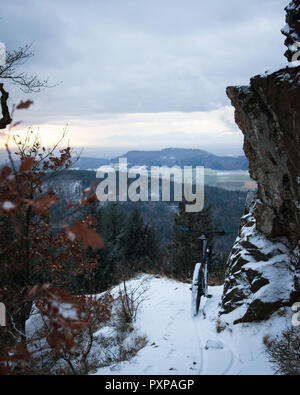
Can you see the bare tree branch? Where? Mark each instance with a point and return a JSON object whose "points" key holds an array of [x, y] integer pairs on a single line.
{"points": [[27, 83]]}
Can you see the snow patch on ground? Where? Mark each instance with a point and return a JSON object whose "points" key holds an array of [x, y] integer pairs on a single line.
{"points": [[179, 343]]}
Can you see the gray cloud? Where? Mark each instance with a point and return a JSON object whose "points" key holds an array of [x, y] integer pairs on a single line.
{"points": [[139, 56]]}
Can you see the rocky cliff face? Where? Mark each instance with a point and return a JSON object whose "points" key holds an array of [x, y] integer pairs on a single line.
{"points": [[264, 266]]}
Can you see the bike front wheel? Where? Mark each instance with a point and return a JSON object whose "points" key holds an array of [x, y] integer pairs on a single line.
{"points": [[197, 287]]}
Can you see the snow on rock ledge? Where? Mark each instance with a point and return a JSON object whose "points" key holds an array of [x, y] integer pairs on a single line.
{"points": [[259, 275], [263, 271], [292, 29]]}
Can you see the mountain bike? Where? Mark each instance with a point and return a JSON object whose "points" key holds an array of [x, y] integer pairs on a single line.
{"points": [[200, 276]]}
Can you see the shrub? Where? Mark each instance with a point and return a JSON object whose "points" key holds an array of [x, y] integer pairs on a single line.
{"points": [[129, 301], [283, 351]]}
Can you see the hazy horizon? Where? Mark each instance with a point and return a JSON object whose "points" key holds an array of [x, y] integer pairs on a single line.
{"points": [[111, 152]]}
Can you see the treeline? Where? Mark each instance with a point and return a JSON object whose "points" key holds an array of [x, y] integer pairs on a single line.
{"points": [[228, 206], [146, 236]]}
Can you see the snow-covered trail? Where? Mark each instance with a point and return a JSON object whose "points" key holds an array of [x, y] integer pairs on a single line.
{"points": [[179, 343]]}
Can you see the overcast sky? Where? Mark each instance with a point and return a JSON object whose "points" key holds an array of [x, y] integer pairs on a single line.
{"points": [[143, 73]]}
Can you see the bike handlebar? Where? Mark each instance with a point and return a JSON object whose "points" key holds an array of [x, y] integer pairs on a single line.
{"points": [[215, 232]]}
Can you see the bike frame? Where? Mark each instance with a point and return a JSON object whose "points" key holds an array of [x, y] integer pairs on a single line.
{"points": [[204, 247]]}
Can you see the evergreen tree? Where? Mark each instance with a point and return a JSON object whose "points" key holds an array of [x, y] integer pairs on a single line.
{"points": [[140, 246], [130, 245], [110, 224]]}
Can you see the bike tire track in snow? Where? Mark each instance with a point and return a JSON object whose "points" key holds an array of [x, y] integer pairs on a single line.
{"points": [[213, 345]]}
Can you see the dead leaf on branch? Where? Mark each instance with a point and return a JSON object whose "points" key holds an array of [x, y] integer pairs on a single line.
{"points": [[42, 205], [88, 236], [24, 104], [26, 164]]}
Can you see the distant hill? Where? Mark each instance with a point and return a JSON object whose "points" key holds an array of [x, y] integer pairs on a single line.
{"points": [[170, 157], [86, 163]]}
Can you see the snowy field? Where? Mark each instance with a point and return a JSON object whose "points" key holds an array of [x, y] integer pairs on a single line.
{"points": [[178, 343]]}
